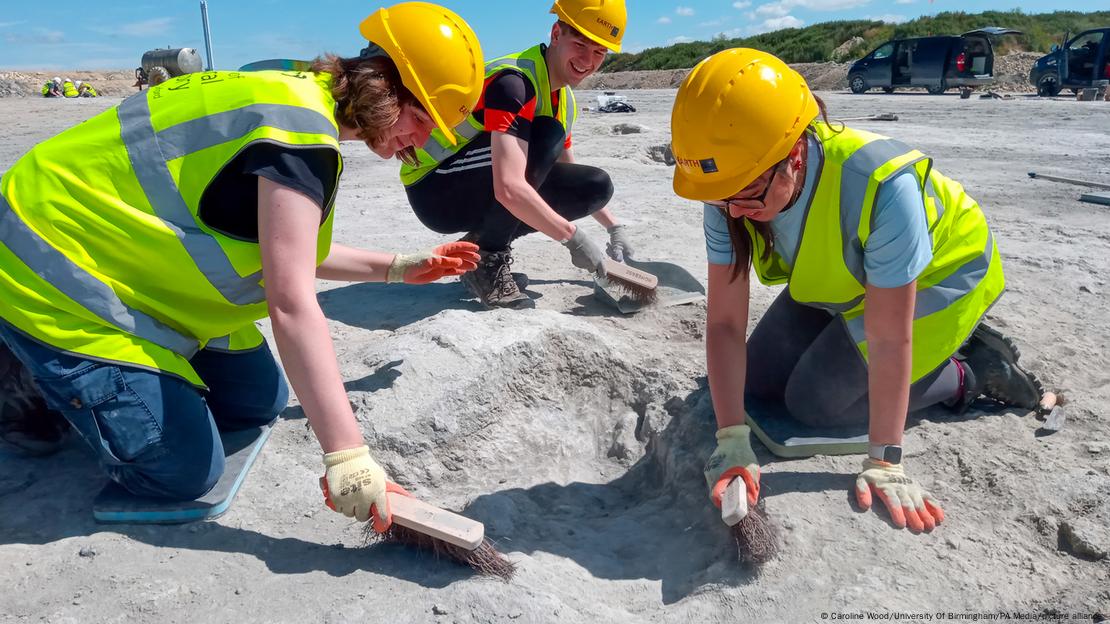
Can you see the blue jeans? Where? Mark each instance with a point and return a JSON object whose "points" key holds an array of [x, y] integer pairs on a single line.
{"points": [[156, 434]]}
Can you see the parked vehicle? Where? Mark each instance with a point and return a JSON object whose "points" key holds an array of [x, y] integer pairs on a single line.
{"points": [[1082, 61], [936, 63]]}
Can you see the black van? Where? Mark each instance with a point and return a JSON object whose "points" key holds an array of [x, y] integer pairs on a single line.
{"points": [[1081, 62], [935, 63]]}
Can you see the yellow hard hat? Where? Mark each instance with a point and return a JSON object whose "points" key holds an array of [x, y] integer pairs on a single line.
{"points": [[602, 21], [436, 53], [738, 113]]}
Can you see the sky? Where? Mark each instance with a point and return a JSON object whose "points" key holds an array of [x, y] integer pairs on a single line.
{"points": [[92, 34]]}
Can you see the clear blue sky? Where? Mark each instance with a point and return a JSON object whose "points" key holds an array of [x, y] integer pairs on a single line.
{"points": [[91, 34]]}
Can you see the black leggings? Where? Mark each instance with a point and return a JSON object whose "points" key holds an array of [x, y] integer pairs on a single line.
{"points": [[805, 357], [458, 195]]}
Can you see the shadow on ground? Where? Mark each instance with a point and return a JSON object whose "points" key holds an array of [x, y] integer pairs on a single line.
{"points": [[651, 522], [376, 306]]}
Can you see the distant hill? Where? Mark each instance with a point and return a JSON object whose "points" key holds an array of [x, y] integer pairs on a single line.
{"points": [[818, 42]]}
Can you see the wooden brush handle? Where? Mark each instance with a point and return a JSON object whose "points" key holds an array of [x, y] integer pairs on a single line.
{"points": [[435, 522], [734, 502], [625, 273]]}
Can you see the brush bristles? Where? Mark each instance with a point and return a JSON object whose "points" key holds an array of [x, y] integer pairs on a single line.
{"points": [[756, 538], [485, 559], [636, 292]]}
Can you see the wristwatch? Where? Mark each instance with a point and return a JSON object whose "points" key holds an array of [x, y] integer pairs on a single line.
{"points": [[889, 453]]}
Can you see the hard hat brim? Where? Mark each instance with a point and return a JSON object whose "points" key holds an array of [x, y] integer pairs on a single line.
{"points": [[612, 47], [700, 190]]}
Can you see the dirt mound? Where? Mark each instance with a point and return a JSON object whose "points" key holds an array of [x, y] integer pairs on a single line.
{"points": [[821, 77], [1011, 74]]}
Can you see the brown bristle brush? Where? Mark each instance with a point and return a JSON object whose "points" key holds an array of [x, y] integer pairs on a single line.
{"points": [[640, 286], [757, 540], [443, 533]]}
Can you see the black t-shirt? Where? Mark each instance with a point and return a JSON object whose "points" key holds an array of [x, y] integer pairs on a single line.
{"points": [[508, 104], [230, 203]]}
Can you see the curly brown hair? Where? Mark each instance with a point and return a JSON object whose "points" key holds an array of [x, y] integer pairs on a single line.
{"points": [[368, 95]]}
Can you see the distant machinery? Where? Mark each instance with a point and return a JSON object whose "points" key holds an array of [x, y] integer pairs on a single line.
{"points": [[160, 65]]}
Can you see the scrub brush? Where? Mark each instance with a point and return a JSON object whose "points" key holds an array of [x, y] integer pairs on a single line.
{"points": [[756, 538], [446, 534], [638, 285]]}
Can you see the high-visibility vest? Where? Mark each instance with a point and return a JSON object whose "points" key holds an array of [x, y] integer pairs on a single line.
{"points": [[106, 256], [47, 88], [69, 89], [954, 291], [529, 63]]}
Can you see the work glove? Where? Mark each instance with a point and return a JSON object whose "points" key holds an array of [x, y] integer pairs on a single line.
{"points": [[423, 268], [585, 254], [618, 248], [355, 485], [907, 502], [733, 458]]}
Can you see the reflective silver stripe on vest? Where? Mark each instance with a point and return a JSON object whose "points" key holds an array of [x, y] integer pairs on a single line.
{"points": [[855, 176], [931, 191], [440, 153], [77, 284], [223, 343], [204, 132], [943, 294], [572, 110], [875, 154], [527, 65], [154, 176], [466, 130]]}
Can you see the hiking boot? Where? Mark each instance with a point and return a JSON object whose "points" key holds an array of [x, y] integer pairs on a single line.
{"points": [[991, 369], [520, 278], [25, 422], [493, 283]]}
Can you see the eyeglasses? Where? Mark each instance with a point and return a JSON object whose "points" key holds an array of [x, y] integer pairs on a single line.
{"points": [[761, 198]]}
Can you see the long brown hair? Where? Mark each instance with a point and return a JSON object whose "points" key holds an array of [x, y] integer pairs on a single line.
{"points": [[742, 245], [368, 95]]}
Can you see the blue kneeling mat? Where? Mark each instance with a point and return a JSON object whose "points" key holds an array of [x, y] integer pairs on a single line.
{"points": [[116, 505], [784, 436]]}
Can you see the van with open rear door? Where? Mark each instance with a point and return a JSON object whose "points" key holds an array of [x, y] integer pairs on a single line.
{"points": [[933, 63]]}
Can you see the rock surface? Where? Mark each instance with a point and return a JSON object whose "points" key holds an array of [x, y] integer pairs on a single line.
{"points": [[578, 435]]}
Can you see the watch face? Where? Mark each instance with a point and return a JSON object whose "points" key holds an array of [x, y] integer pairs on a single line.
{"points": [[892, 454]]}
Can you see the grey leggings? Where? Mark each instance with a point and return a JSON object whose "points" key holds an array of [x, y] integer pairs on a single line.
{"points": [[804, 356]]}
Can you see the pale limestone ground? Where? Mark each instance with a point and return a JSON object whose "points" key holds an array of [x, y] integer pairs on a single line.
{"points": [[578, 435]]}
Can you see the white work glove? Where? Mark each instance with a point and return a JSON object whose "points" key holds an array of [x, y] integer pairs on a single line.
{"points": [[355, 485], [619, 247], [585, 254]]}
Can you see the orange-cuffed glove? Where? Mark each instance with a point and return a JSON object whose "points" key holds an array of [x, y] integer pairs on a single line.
{"points": [[733, 458], [443, 261], [355, 486], [908, 503]]}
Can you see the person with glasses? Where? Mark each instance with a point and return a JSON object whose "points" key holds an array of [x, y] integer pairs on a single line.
{"points": [[889, 267]]}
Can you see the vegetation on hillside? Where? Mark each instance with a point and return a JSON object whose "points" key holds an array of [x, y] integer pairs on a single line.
{"points": [[817, 42]]}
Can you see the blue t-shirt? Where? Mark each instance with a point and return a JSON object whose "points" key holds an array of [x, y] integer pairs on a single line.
{"points": [[897, 251]]}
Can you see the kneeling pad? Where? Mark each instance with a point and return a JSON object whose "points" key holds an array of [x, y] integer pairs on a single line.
{"points": [[786, 437], [115, 505]]}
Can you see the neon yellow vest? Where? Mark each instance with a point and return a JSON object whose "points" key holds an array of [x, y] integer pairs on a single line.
{"points": [[46, 88], [953, 292], [106, 257], [529, 63], [69, 89]]}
